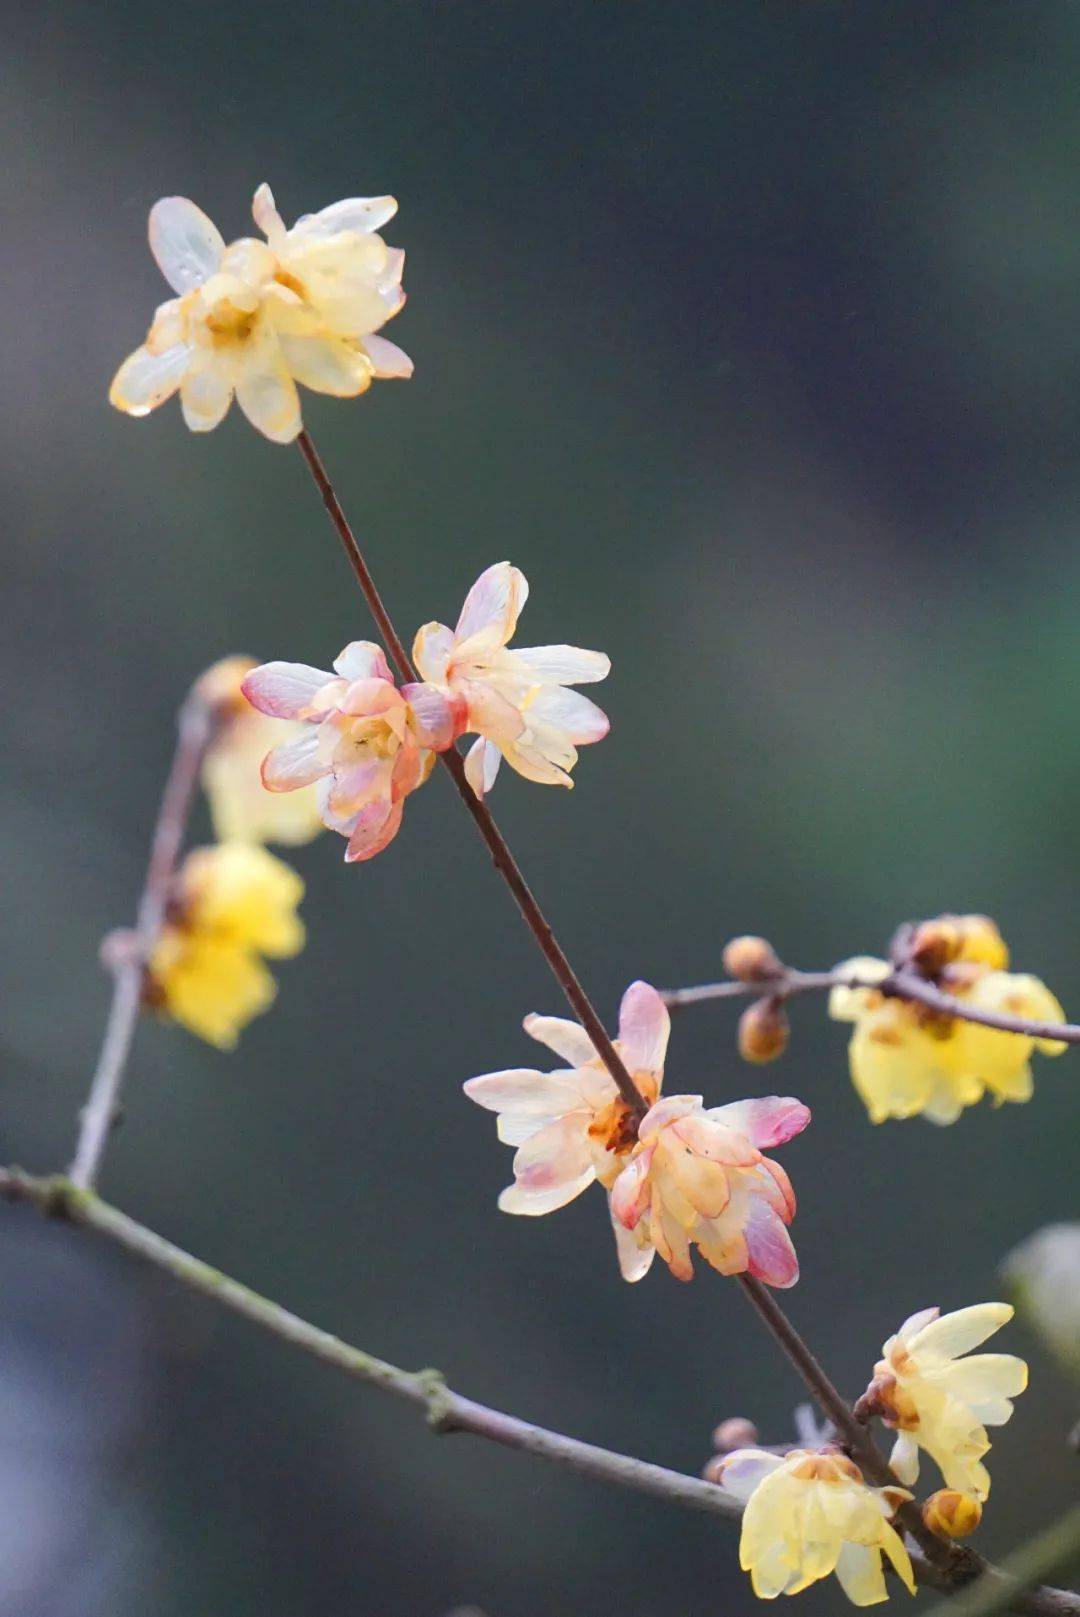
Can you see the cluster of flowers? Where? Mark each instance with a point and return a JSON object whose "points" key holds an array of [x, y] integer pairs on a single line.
{"points": [[906, 1059], [297, 747], [810, 1512]]}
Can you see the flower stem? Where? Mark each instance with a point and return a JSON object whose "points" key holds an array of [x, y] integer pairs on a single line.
{"points": [[195, 727], [897, 985], [481, 816]]}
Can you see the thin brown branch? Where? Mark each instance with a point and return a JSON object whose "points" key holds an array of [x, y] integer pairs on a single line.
{"points": [[898, 985], [194, 729], [447, 1410], [481, 816]]}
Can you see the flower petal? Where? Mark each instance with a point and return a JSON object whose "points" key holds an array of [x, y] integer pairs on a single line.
{"points": [[377, 825], [284, 690], [534, 1203], [187, 245], [563, 665], [644, 1026], [859, 1571], [326, 364], [363, 214], [482, 766], [959, 1332], [297, 762], [434, 717], [362, 659], [770, 1252], [146, 380], [568, 1039], [525, 1092], [205, 396], [570, 712], [493, 605], [766, 1121], [634, 1261], [267, 393], [265, 214], [387, 359], [743, 1471], [431, 651]]}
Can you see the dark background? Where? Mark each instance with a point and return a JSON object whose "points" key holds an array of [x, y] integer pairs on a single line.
{"points": [[750, 332]]}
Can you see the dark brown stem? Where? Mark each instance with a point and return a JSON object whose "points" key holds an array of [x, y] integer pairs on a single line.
{"points": [[898, 984], [195, 727], [502, 858]]}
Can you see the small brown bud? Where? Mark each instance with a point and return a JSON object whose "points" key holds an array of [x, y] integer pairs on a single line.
{"points": [[952, 1514], [735, 1433], [763, 1031], [934, 945], [752, 960]]}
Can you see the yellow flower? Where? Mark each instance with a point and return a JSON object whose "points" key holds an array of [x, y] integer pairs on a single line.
{"points": [[233, 904], [241, 808], [256, 318], [907, 1059], [809, 1513], [942, 1402]]}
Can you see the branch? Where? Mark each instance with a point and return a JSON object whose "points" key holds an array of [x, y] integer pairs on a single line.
{"points": [[897, 985], [195, 728], [497, 846], [1049, 1554], [447, 1410]]}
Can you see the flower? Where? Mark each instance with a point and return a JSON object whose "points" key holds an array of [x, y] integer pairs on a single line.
{"points": [[518, 702], [942, 1402], [572, 1126], [699, 1177], [359, 741], [241, 808], [257, 317], [951, 1514], [809, 1513], [231, 905], [906, 1058]]}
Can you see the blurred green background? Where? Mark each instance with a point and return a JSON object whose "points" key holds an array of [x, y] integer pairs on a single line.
{"points": [[750, 333]]}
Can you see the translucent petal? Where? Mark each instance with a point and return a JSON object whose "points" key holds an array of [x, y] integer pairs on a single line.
{"points": [[284, 690], [187, 245], [387, 359], [146, 380], [644, 1027], [205, 396], [568, 1039], [564, 665], [493, 605], [482, 766], [959, 1332]]}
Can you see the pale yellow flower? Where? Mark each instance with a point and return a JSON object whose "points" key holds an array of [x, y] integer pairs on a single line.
{"points": [[255, 318], [519, 703], [241, 807], [941, 1401], [809, 1513], [906, 1059], [232, 905]]}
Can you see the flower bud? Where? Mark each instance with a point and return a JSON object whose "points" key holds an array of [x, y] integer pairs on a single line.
{"points": [[934, 944], [952, 1514], [219, 688], [763, 1031], [752, 960], [735, 1433]]}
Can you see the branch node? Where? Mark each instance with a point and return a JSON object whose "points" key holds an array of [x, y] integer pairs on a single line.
{"points": [[439, 1399]]}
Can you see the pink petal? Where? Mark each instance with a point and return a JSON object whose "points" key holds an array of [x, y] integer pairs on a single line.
{"points": [[354, 786], [377, 825], [493, 604], [714, 1142], [569, 1040], [644, 1026], [556, 1155], [666, 1111], [743, 1470], [767, 1121], [776, 1188], [770, 1252], [437, 719], [369, 698], [630, 1192], [284, 690], [534, 1203], [362, 659]]}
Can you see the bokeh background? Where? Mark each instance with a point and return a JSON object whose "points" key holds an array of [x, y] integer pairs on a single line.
{"points": [[751, 333]]}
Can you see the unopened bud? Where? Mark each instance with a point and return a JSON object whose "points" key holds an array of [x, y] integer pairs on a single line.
{"points": [[952, 1514], [752, 960], [735, 1433], [763, 1031]]}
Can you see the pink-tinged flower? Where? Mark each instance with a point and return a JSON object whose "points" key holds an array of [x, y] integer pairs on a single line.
{"points": [[699, 1178], [255, 318], [517, 702], [571, 1126], [359, 742]]}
